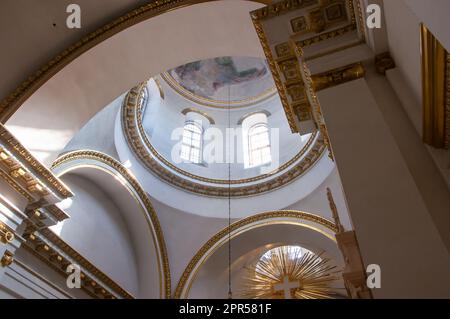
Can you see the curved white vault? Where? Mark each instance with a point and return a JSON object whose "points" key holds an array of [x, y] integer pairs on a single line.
{"points": [[47, 121]]}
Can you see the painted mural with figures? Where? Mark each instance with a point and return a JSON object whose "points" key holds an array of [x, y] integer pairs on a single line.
{"points": [[242, 78]]}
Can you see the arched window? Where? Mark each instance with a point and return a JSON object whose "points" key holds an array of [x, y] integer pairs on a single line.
{"points": [[256, 140], [143, 99], [191, 147], [258, 145]]}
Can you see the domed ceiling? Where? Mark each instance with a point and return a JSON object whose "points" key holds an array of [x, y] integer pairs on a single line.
{"points": [[154, 126], [223, 81]]}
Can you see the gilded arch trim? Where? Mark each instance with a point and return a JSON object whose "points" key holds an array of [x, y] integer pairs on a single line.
{"points": [[244, 225], [117, 167]]}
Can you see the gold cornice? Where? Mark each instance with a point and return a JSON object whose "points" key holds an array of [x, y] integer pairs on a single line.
{"points": [[177, 87], [436, 91], [288, 110], [337, 76], [47, 246], [138, 140], [15, 99], [23, 158], [300, 109], [278, 8], [6, 234], [302, 216], [143, 197]]}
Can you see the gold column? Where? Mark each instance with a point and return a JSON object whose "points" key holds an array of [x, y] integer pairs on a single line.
{"points": [[436, 90]]}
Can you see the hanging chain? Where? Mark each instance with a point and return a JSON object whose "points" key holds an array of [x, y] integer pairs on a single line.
{"points": [[230, 296]]}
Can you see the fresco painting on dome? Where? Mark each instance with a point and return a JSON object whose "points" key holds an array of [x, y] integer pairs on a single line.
{"points": [[246, 78]]}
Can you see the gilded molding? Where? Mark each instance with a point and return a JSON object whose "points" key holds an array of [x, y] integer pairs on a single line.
{"points": [[288, 110], [23, 165], [292, 90], [281, 7], [215, 103], [240, 224], [337, 76], [140, 144], [6, 234], [436, 91], [117, 166], [52, 250], [317, 111], [334, 211]]}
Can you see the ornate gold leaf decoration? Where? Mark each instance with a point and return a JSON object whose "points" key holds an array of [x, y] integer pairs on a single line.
{"points": [[287, 273]]}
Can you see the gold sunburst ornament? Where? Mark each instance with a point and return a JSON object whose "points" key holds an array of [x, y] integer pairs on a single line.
{"points": [[292, 272]]}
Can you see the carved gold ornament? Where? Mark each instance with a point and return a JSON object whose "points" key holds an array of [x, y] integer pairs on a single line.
{"points": [[6, 234], [7, 259]]}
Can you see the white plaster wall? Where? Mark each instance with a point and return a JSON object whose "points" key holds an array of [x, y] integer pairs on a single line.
{"points": [[403, 18], [29, 277], [317, 202], [97, 133], [393, 223], [435, 14], [403, 29], [97, 231]]}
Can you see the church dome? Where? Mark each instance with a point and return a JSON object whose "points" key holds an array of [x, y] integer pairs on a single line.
{"points": [[181, 126], [223, 81]]}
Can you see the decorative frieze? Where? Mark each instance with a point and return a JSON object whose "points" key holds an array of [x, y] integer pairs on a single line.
{"points": [[6, 234], [310, 22]]}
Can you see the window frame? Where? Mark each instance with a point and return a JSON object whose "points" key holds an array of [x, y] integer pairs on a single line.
{"points": [[252, 149], [190, 145]]}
